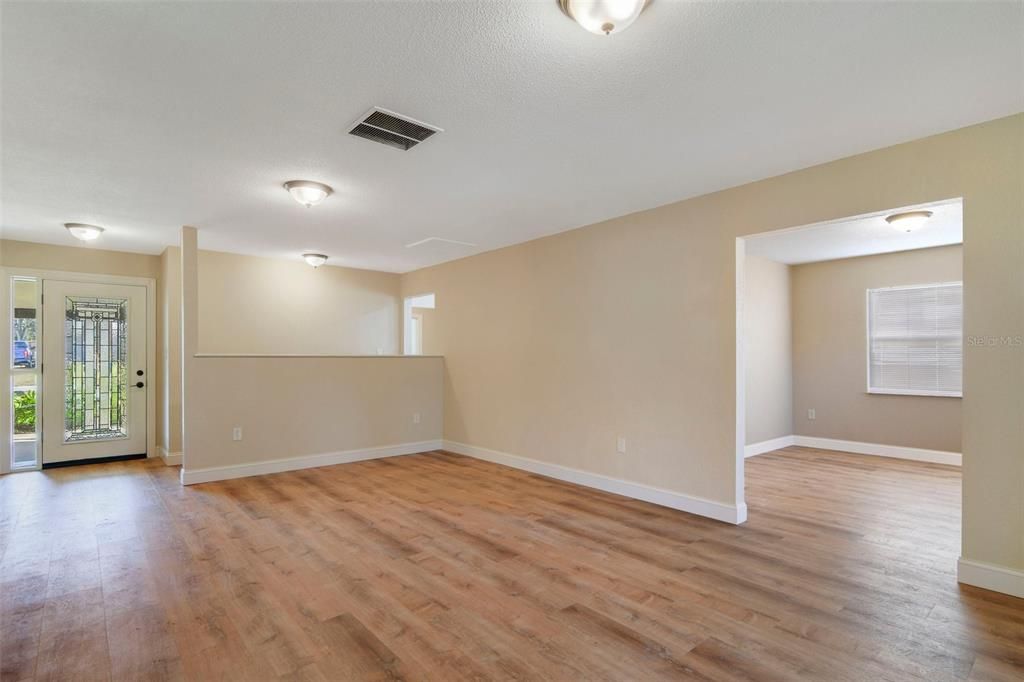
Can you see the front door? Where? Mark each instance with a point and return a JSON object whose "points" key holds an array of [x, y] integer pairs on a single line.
{"points": [[94, 371]]}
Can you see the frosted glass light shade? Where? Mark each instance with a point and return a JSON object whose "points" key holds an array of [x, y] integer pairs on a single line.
{"points": [[909, 221], [86, 233], [603, 17], [307, 192]]}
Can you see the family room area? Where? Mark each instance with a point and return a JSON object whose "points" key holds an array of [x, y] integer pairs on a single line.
{"points": [[544, 340]]}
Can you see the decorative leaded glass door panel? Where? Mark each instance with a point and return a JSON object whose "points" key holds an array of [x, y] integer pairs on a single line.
{"points": [[94, 372]]}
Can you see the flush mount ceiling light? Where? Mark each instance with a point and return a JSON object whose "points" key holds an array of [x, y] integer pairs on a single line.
{"points": [[604, 17], [315, 259], [908, 221], [307, 192], [86, 233]]}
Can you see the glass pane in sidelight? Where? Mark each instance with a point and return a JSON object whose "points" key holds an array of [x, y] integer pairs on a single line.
{"points": [[25, 419], [24, 322]]}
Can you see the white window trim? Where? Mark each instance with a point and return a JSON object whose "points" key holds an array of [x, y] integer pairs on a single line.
{"points": [[867, 346], [893, 391]]}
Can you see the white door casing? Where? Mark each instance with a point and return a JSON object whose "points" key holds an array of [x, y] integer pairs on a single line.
{"points": [[96, 410]]}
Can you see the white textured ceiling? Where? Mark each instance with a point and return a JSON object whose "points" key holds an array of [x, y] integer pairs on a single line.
{"points": [[860, 236], [145, 116]]}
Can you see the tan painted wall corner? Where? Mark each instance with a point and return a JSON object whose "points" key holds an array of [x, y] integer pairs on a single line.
{"points": [[830, 353], [768, 347]]}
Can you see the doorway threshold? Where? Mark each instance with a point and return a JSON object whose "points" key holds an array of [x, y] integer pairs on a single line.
{"points": [[92, 460]]}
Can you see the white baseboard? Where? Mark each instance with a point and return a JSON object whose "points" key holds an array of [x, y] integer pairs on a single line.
{"points": [[666, 498], [878, 450], [991, 577], [767, 446], [171, 459], [274, 466]]}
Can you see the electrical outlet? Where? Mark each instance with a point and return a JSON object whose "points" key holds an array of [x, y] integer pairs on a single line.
{"points": [[236, 433], [810, 414], [415, 417], [620, 446]]}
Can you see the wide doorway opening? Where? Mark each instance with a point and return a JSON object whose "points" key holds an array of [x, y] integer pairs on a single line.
{"points": [[849, 348]]}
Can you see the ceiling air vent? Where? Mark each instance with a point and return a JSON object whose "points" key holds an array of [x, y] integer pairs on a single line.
{"points": [[394, 130]]}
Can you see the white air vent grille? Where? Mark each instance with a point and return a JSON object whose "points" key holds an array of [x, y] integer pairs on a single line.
{"points": [[394, 130]]}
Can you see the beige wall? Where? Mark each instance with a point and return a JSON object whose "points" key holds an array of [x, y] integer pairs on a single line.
{"points": [[768, 349], [293, 407], [628, 327], [556, 347], [270, 306], [830, 353], [264, 305], [83, 258]]}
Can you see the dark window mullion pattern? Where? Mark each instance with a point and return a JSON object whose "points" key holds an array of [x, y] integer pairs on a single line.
{"points": [[96, 355]]}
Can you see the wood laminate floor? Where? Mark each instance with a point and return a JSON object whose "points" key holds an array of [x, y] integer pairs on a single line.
{"points": [[441, 567]]}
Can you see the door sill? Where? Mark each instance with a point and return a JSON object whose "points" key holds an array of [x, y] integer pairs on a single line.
{"points": [[92, 460]]}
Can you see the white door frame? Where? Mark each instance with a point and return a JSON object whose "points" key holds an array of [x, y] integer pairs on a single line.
{"points": [[5, 338], [416, 319], [424, 300], [741, 384]]}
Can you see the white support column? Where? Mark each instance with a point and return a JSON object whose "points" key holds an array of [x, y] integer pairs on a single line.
{"points": [[189, 334]]}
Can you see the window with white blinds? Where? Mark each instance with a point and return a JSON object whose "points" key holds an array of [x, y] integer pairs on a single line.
{"points": [[915, 340]]}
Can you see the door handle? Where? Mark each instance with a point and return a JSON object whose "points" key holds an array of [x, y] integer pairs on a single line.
{"points": [[139, 384]]}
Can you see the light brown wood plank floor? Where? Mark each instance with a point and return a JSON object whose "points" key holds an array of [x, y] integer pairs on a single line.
{"points": [[436, 566]]}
